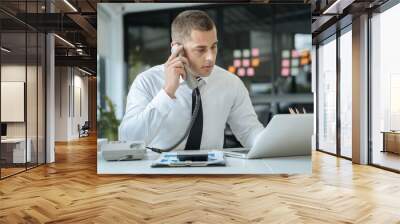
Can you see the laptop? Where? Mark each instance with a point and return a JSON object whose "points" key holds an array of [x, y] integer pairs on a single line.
{"points": [[285, 135]]}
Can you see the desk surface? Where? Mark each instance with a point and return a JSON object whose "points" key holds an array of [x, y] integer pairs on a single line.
{"points": [[390, 132], [13, 140], [281, 165]]}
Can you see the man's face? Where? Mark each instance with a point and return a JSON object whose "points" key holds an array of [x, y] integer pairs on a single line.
{"points": [[201, 51]]}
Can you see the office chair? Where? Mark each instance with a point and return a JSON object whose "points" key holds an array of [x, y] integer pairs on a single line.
{"points": [[84, 130]]}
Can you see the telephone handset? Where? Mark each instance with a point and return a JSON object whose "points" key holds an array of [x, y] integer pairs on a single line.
{"points": [[193, 84], [191, 81]]}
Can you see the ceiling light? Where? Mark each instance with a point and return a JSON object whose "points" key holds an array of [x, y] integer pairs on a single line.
{"points": [[337, 7], [65, 41], [5, 50], [70, 5], [331, 7], [84, 71]]}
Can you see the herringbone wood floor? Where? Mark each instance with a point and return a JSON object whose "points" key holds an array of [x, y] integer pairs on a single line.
{"points": [[70, 191]]}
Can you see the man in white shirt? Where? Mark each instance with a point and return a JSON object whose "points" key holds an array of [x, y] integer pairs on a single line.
{"points": [[159, 104]]}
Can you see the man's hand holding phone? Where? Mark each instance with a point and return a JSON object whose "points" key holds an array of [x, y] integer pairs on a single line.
{"points": [[174, 69]]}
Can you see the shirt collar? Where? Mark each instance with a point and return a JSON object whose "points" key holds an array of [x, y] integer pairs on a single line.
{"points": [[205, 79]]}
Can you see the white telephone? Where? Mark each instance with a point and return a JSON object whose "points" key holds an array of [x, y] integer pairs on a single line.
{"points": [[193, 84], [123, 150], [191, 81]]}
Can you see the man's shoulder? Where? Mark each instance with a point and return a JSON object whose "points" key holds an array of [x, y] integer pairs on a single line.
{"points": [[225, 75], [154, 72]]}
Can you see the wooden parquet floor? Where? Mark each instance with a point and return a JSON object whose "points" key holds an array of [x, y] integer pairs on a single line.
{"points": [[70, 191]]}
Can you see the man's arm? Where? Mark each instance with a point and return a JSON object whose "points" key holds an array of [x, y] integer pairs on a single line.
{"points": [[144, 114], [243, 119]]}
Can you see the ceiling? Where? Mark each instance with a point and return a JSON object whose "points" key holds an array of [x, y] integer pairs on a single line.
{"points": [[328, 15], [76, 25], [76, 20]]}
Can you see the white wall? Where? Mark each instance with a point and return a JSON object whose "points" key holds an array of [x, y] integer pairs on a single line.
{"points": [[70, 83], [14, 72], [110, 47], [80, 89], [33, 126], [61, 103]]}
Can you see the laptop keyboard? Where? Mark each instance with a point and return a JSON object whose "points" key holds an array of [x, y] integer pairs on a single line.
{"points": [[245, 151]]}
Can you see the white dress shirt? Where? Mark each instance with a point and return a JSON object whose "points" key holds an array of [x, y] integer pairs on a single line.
{"points": [[158, 120]]}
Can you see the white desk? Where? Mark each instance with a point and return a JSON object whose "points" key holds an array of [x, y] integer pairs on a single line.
{"points": [[19, 149], [281, 165]]}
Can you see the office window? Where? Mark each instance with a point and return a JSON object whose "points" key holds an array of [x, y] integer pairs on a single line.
{"points": [[327, 95], [346, 93], [385, 87]]}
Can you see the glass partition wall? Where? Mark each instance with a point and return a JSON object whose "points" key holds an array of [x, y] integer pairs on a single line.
{"points": [[327, 95], [334, 87], [22, 76], [345, 61], [385, 89]]}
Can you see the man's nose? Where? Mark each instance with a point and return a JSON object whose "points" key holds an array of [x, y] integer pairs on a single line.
{"points": [[210, 55]]}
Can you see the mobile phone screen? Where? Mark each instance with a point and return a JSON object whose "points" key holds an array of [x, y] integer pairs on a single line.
{"points": [[193, 158]]}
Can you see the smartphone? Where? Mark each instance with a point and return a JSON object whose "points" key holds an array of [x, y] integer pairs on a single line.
{"points": [[190, 80], [193, 157]]}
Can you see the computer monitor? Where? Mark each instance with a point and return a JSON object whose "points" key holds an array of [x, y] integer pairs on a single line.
{"points": [[3, 129]]}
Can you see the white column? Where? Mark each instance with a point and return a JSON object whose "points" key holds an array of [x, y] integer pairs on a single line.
{"points": [[360, 90], [50, 100]]}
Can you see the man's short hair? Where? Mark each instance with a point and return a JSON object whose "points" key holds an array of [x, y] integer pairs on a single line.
{"points": [[189, 20]]}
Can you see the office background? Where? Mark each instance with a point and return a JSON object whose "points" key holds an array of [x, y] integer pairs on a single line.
{"points": [[46, 83], [267, 46], [344, 190], [22, 107]]}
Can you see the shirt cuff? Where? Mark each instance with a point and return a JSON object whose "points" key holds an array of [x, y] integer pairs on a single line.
{"points": [[162, 102]]}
